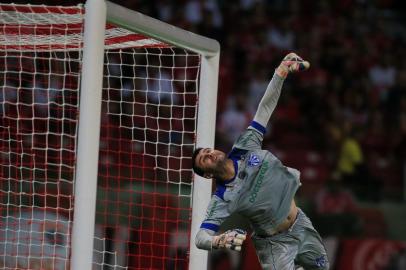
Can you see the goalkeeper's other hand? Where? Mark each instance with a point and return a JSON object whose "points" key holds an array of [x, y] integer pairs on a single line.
{"points": [[231, 239]]}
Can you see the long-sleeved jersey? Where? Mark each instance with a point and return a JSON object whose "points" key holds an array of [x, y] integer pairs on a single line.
{"points": [[262, 189]]}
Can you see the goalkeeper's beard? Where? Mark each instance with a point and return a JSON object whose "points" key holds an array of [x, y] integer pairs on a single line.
{"points": [[219, 170]]}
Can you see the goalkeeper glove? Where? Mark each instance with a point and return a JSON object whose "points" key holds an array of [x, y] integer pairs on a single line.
{"points": [[231, 239]]}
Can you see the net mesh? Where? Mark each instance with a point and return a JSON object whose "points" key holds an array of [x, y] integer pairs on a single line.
{"points": [[148, 124]]}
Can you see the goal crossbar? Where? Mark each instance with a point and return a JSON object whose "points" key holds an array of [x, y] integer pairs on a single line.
{"points": [[138, 22]]}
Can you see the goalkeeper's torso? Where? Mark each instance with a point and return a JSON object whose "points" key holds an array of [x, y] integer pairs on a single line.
{"points": [[262, 190]]}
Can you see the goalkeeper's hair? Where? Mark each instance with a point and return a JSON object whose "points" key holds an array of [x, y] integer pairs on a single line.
{"points": [[196, 169]]}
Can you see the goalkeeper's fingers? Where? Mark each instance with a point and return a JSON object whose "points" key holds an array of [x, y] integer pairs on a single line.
{"points": [[237, 237], [232, 239], [233, 247], [236, 242]]}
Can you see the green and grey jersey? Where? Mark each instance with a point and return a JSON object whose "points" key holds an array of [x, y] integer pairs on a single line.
{"points": [[261, 191], [263, 188]]}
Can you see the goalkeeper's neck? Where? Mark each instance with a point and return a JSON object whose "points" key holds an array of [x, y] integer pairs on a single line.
{"points": [[227, 172]]}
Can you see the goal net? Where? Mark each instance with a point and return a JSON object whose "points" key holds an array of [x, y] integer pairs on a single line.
{"points": [[147, 136]]}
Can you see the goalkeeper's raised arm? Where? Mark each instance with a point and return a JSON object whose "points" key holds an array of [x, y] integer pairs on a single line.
{"points": [[291, 63], [253, 182]]}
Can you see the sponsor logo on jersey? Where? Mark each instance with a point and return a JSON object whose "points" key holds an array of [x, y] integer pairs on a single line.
{"points": [[253, 160], [258, 183]]}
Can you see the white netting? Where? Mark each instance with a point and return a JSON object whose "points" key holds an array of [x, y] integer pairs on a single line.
{"points": [[148, 129], [38, 105], [147, 138], [44, 28]]}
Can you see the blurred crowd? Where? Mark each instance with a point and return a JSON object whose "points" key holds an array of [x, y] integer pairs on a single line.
{"points": [[343, 122]]}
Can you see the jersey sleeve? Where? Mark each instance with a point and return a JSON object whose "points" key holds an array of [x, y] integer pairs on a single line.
{"points": [[217, 212], [251, 138]]}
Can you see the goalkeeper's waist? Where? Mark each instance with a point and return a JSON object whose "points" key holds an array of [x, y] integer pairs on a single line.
{"points": [[286, 226]]}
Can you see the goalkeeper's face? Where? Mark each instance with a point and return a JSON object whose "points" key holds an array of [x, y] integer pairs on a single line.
{"points": [[212, 162]]}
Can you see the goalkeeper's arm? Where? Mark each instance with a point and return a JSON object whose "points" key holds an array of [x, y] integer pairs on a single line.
{"points": [[269, 100], [291, 63], [232, 239]]}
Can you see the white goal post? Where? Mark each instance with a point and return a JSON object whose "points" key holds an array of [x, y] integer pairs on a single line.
{"points": [[108, 31], [88, 136]]}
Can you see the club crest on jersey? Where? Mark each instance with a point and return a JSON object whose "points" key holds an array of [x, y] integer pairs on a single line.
{"points": [[253, 160]]}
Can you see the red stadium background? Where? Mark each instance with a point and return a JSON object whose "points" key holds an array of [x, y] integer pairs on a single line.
{"points": [[342, 124]]}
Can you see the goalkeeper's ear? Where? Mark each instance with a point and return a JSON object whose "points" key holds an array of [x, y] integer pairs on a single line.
{"points": [[197, 170]]}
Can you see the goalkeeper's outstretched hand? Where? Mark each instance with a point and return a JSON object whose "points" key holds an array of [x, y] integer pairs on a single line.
{"points": [[231, 239]]}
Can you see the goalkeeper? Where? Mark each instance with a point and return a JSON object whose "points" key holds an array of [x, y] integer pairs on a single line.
{"points": [[254, 183]]}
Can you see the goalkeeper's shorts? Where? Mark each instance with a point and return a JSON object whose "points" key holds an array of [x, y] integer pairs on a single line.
{"points": [[300, 245]]}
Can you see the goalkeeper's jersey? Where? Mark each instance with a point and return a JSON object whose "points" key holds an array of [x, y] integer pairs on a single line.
{"points": [[261, 191]]}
